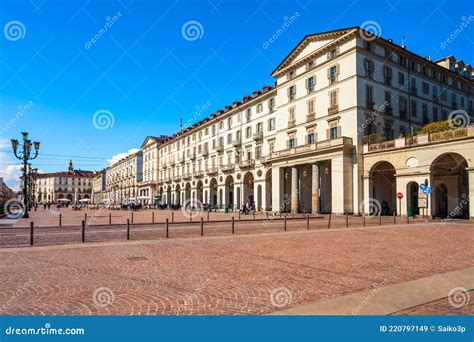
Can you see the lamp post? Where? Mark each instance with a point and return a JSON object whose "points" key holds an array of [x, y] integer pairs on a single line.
{"points": [[24, 155]]}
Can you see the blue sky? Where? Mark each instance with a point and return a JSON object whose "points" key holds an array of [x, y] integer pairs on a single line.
{"points": [[146, 73]]}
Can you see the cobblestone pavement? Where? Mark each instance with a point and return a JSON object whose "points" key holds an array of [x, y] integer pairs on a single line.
{"points": [[444, 306], [246, 274]]}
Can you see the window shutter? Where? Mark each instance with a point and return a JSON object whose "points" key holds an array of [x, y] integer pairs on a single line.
{"points": [[337, 69], [328, 134], [339, 131], [329, 74], [307, 83]]}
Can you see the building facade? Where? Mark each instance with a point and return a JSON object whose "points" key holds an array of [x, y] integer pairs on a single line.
{"points": [[73, 185], [99, 194], [314, 141], [122, 179]]}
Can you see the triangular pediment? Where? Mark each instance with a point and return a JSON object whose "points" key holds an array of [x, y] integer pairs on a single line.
{"points": [[311, 43], [148, 140]]}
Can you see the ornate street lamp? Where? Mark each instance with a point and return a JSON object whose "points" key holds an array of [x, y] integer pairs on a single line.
{"points": [[24, 154]]}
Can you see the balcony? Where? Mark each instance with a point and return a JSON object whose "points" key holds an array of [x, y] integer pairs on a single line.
{"points": [[181, 160], [247, 164], [187, 176], [237, 142], [310, 117], [220, 148], [227, 168], [421, 139], [199, 174], [369, 104], [211, 171], [167, 179], [205, 152], [264, 159], [258, 136], [176, 178], [333, 110], [318, 147], [291, 123]]}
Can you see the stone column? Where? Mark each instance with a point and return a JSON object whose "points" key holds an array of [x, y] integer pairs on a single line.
{"points": [[341, 184], [294, 189], [277, 188], [315, 189]]}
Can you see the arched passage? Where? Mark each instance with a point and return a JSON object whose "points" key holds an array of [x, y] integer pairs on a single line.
{"points": [[177, 195], [383, 185], [248, 188], [412, 198], [199, 192], [450, 186], [187, 193], [229, 192], [213, 192]]}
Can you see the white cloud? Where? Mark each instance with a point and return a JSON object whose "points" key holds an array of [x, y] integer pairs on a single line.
{"points": [[122, 155], [10, 169]]}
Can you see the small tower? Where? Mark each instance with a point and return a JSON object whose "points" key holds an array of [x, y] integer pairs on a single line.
{"points": [[70, 168]]}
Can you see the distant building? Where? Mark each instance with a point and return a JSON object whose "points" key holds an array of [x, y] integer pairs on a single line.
{"points": [[122, 179], [71, 184]]}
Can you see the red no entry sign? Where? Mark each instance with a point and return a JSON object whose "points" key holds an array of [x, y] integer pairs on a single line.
{"points": [[399, 195]]}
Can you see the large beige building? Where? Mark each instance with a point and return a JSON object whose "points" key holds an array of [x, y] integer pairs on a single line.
{"points": [[327, 137], [73, 185], [122, 179]]}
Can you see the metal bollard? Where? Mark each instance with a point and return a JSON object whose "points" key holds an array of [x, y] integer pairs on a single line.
{"points": [[202, 226], [307, 222], [408, 219], [110, 218], [394, 218], [233, 225], [329, 220], [347, 220], [208, 215], [132, 216], [83, 231], [167, 228], [239, 215], [60, 219], [128, 229], [380, 219], [152, 217], [31, 233], [172, 216], [85, 217], [284, 223], [363, 219]]}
